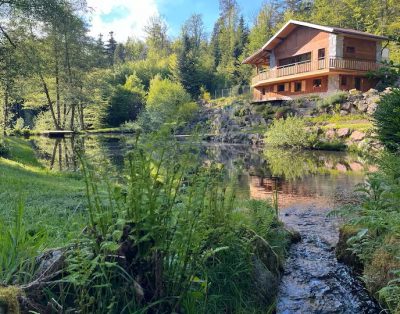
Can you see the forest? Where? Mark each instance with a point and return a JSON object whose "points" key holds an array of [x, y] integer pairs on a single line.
{"points": [[56, 77]]}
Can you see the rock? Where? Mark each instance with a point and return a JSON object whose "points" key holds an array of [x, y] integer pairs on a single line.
{"points": [[343, 254], [344, 112], [372, 108], [341, 167], [362, 105], [357, 167], [371, 91], [330, 134], [387, 90], [357, 136], [354, 92], [346, 106], [265, 282], [343, 132]]}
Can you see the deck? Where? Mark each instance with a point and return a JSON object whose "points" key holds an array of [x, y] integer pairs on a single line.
{"points": [[313, 68]]}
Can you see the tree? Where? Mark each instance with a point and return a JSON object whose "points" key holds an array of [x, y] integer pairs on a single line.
{"points": [[387, 120], [156, 36], [119, 54], [111, 46]]}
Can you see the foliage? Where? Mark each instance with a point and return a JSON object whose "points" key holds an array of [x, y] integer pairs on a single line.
{"points": [[18, 246], [124, 105], [167, 102], [290, 132], [387, 120], [330, 101], [4, 149], [167, 236], [377, 218], [387, 75]]}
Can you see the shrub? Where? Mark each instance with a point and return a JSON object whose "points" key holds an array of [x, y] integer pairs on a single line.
{"points": [[124, 105], [387, 120], [387, 75], [283, 112], [290, 132], [167, 102], [4, 149], [330, 101]]}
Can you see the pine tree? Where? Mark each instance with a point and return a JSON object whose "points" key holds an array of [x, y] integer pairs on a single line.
{"points": [[111, 46], [119, 54]]}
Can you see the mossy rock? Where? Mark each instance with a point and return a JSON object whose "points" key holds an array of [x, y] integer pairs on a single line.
{"points": [[343, 252], [9, 303]]}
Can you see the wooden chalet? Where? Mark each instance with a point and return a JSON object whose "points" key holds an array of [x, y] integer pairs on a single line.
{"points": [[304, 59]]}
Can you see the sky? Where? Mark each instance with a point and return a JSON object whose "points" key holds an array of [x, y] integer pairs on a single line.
{"points": [[127, 18]]}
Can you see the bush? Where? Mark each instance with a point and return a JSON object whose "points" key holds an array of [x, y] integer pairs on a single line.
{"points": [[167, 102], [387, 120], [124, 105], [4, 149], [330, 101], [290, 132]]}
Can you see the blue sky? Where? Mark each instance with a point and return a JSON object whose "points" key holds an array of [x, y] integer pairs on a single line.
{"points": [[128, 17]]}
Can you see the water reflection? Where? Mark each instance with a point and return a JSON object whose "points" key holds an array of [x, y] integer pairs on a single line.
{"points": [[299, 176]]}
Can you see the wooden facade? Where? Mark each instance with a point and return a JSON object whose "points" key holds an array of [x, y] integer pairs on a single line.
{"points": [[304, 58]]}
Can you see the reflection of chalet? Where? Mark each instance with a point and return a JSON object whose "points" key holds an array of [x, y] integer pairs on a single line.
{"points": [[304, 58]]}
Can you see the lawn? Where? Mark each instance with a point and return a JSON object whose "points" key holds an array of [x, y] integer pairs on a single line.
{"points": [[52, 200]]}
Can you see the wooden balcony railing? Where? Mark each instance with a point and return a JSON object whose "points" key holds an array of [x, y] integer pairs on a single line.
{"points": [[310, 66]]}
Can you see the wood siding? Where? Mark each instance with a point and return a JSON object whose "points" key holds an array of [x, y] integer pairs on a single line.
{"points": [[302, 40], [349, 81], [307, 87], [364, 49]]}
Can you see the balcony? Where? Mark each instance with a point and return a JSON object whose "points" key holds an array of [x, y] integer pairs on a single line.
{"points": [[318, 66]]}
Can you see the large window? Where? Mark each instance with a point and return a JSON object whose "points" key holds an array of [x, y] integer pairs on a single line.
{"points": [[321, 53], [281, 87], [297, 86], [296, 59]]}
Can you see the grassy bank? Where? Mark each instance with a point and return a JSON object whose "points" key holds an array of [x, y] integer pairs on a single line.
{"points": [[370, 240], [53, 201]]}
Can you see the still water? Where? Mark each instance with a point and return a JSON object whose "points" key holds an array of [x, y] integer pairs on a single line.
{"points": [[309, 185]]}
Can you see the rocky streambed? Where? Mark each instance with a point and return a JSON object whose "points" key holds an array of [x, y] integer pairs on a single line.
{"points": [[313, 280]]}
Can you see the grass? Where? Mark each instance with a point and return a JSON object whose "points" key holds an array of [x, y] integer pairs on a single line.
{"points": [[354, 122], [54, 200]]}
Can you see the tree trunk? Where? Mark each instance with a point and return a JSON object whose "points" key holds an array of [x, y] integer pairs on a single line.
{"points": [[5, 111], [57, 74]]}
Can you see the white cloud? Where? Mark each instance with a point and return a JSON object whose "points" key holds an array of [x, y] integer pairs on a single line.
{"points": [[129, 22]]}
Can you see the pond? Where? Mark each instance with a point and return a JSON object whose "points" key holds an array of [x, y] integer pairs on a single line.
{"points": [[309, 185]]}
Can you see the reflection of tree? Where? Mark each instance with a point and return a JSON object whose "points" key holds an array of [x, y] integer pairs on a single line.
{"points": [[291, 164]]}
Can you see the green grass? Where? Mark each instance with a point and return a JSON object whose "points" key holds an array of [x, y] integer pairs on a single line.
{"points": [[356, 122], [54, 200]]}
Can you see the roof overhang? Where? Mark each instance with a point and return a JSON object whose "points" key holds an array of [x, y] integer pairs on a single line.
{"points": [[260, 56]]}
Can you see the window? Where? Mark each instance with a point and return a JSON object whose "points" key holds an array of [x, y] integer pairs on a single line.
{"points": [[321, 53], [281, 87], [350, 49], [305, 57], [263, 91], [343, 80], [317, 83], [297, 86]]}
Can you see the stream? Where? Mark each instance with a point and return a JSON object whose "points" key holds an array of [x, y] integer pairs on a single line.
{"points": [[309, 185]]}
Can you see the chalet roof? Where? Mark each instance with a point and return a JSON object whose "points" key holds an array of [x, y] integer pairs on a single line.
{"points": [[262, 54]]}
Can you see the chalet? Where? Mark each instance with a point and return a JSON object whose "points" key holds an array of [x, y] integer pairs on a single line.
{"points": [[304, 58]]}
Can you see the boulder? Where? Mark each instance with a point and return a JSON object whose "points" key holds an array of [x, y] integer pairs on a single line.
{"points": [[362, 105], [354, 92], [330, 134], [341, 167], [356, 166], [357, 136], [346, 106], [343, 132], [372, 108], [370, 92], [344, 112]]}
